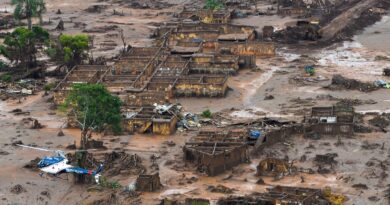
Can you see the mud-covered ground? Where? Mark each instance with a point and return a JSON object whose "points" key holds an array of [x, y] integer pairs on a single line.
{"points": [[281, 77], [105, 19]]}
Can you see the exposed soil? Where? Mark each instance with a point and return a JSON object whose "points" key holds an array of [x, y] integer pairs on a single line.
{"points": [[358, 171]]}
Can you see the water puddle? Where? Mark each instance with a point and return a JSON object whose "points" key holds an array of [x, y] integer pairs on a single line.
{"points": [[175, 192], [376, 37]]}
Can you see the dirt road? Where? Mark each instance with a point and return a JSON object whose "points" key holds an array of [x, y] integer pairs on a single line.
{"points": [[332, 29]]}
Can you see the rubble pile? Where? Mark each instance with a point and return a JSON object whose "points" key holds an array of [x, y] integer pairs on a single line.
{"points": [[95, 144], [18, 90], [98, 8], [302, 31], [292, 195], [31, 123], [101, 29], [117, 163], [33, 164], [386, 72], [354, 102], [340, 82], [325, 162], [220, 189], [18, 189], [7, 21], [106, 199], [326, 159], [380, 121]]}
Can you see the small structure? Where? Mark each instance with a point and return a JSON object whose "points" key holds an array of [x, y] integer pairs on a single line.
{"points": [[147, 120], [214, 158], [334, 120], [148, 182]]}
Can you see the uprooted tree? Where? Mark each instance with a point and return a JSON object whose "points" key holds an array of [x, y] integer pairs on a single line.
{"points": [[94, 109], [21, 46], [29, 9], [70, 49]]}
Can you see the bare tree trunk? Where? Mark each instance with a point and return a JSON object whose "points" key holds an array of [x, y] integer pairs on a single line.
{"points": [[29, 16], [40, 20], [84, 139], [123, 40], [81, 157]]}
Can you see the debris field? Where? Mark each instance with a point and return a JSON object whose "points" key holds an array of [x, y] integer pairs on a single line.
{"points": [[252, 102]]}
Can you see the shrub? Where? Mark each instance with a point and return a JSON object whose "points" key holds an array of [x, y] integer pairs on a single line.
{"points": [[48, 87], [207, 113], [6, 78]]}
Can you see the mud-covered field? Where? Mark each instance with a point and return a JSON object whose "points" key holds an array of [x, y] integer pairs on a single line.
{"points": [[362, 160]]}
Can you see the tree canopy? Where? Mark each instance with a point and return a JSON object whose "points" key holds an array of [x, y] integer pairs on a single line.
{"points": [[21, 45], [213, 5], [29, 9], [70, 49], [94, 108]]}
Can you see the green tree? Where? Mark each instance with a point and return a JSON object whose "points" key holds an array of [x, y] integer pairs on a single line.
{"points": [[94, 109], [73, 49], [29, 9], [213, 4], [22, 44]]}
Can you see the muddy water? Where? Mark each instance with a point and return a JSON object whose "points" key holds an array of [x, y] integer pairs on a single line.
{"points": [[376, 37]]}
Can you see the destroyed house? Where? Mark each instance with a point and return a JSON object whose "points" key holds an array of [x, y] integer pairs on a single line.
{"points": [[145, 76], [215, 48], [214, 158], [140, 62], [201, 85], [77, 75], [206, 16], [217, 135], [214, 63], [252, 48], [170, 74], [205, 60], [186, 48], [247, 51], [147, 120], [209, 32], [148, 182], [334, 120], [276, 135]]}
